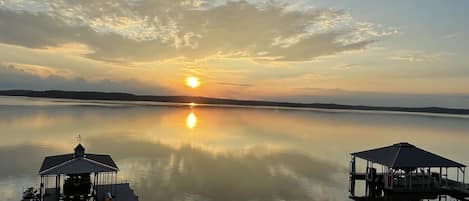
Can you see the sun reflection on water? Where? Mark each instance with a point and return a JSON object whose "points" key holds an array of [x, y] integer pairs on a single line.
{"points": [[191, 120]]}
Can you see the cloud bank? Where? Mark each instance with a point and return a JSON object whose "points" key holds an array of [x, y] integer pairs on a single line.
{"points": [[144, 30], [26, 76]]}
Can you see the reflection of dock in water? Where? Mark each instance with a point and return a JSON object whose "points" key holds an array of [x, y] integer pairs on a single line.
{"points": [[405, 172]]}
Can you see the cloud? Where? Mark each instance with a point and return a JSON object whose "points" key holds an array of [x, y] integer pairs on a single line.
{"points": [[234, 84], [27, 76], [451, 36], [417, 57], [344, 66], [158, 30], [42, 72]]}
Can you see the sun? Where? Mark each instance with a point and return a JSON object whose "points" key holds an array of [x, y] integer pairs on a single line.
{"points": [[192, 82]]}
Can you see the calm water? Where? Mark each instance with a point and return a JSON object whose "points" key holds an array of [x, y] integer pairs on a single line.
{"points": [[178, 152]]}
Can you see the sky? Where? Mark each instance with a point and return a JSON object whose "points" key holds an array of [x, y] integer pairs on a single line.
{"points": [[367, 52]]}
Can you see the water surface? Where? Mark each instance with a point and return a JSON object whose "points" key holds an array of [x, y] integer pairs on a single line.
{"points": [[181, 152]]}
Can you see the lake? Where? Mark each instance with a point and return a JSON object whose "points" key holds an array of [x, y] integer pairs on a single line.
{"points": [[188, 152]]}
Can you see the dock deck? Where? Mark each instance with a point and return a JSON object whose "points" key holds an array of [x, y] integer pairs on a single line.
{"points": [[422, 186], [123, 193]]}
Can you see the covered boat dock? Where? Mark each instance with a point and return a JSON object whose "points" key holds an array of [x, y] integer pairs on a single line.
{"points": [[82, 177], [404, 171]]}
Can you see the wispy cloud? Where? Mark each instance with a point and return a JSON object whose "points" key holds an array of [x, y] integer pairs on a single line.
{"points": [[234, 84], [450, 36], [42, 72], [344, 66], [417, 57]]}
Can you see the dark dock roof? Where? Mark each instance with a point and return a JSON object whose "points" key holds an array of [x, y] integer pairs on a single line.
{"points": [[76, 163], [405, 156]]}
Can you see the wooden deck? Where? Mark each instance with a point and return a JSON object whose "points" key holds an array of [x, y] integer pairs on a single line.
{"points": [[123, 193]]}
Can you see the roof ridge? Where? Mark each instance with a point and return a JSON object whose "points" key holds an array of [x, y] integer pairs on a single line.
{"points": [[395, 157], [100, 163], [58, 165], [98, 154]]}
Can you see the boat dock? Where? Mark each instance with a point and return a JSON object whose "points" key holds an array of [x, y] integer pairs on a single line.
{"points": [[80, 176], [407, 172]]}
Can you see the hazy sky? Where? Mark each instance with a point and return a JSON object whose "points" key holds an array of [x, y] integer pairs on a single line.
{"points": [[344, 51]]}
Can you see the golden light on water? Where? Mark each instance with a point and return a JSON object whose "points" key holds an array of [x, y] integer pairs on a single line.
{"points": [[192, 82], [191, 120]]}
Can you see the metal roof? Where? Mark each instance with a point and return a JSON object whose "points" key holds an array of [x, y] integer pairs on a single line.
{"points": [[77, 163], [405, 156]]}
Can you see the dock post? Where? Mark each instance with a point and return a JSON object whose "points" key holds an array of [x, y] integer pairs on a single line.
{"points": [[41, 186], [366, 180], [462, 182], [446, 182], [429, 171], [463, 176], [352, 176], [57, 186], [410, 180], [439, 178]]}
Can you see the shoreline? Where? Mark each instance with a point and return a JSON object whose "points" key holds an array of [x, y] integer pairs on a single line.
{"points": [[112, 96]]}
